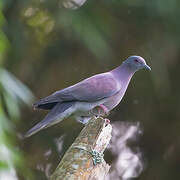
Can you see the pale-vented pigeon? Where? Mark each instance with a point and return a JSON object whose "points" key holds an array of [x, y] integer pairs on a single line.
{"points": [[103, 90]]}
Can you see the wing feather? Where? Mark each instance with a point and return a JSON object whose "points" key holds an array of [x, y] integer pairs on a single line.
{"points": [[92, 89]]}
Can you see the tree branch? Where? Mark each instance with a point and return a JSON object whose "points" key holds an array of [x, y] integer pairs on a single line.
{"points": [[77, 162]]}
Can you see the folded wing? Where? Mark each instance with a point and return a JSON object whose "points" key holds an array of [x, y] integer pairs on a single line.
{"points": [[92, 89]]}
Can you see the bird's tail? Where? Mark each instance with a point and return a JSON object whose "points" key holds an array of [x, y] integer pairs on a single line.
{"points": [[57, 114]]}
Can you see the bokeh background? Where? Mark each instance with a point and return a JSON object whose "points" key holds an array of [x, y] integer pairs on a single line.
{"points": [[45, 47]]}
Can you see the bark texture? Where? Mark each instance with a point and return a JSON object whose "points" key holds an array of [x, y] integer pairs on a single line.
{"points": [[77, 163]]}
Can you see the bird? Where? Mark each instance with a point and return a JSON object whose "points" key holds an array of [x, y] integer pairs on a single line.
{"points": [[103, 91]]}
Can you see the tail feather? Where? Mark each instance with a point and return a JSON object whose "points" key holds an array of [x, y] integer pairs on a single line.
{"points": [[57, 114]]}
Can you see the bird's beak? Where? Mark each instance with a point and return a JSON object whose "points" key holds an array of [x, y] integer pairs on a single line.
{"points": [[147, 67]]}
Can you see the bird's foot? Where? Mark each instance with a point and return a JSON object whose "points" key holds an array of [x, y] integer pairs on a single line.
{"points": [[103, 108], [100, 111]]}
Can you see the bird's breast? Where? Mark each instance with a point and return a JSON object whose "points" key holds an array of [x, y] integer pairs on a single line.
{"points": [[114, 100]]}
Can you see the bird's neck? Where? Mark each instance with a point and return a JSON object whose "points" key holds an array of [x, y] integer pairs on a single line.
{"points": [[123, 73]]}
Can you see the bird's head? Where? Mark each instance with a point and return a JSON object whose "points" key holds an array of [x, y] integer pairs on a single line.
{"points": [[136, 63]]}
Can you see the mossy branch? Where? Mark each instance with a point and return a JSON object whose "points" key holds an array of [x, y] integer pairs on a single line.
{"points": [[77, 163]]}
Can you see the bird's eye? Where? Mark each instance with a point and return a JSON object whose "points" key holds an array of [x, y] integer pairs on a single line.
{"points": [[136, 61]]}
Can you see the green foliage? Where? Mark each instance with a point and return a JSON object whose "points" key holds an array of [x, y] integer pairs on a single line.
{"points": [[12, 93]]}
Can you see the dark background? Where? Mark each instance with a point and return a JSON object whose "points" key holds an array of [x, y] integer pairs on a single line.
{"points": [[48, 47]]}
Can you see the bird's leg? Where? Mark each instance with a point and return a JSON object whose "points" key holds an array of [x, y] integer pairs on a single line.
{"points": [[105, 112], [104, 109], [100, 111]]}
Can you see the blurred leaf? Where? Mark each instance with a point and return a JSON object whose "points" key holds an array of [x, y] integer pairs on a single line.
{"points": [[91, 36], [15, 88], [3, 165], [11, 92], [73, 4], [4, 124], [87, 32], [2, 20], [41, 21], [12, 106], [3, 45]]}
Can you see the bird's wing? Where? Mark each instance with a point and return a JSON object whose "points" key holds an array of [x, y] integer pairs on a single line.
{"points": [[92, 89]]}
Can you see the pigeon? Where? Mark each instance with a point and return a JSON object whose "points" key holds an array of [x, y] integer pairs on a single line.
{"points": [[103, 91]]}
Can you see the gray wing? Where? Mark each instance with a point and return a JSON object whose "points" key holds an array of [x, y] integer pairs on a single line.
{"points": [[92, 89]]}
